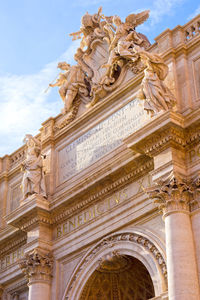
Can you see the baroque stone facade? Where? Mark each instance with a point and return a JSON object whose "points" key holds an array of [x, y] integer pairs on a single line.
{"points": [[103, 204]]}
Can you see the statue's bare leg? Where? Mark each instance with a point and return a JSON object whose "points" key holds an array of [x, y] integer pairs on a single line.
{"points": [[70, 96], [62, 92]]}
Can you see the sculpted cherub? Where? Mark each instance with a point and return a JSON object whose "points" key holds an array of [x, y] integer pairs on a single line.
{"points": [[32, 167], [156, 94], [71, 82]]}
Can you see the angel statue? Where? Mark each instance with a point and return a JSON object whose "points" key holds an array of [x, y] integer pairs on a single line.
{"points": [[156, 94], [122, 38], [33, 178], [70, 82]]}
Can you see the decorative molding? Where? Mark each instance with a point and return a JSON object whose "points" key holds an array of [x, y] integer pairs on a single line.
{"points": [[70, 116], [37, 266], [11, 244], [110, 242], [17, 287], [162, 139], [129, 177]]}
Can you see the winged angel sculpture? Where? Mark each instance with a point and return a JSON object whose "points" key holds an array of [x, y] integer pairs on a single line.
{"points": [[108, 48]]}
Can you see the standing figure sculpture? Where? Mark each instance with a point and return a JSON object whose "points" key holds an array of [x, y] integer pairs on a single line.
{"points": [[71, 82], [156, 94], [33, 178]]}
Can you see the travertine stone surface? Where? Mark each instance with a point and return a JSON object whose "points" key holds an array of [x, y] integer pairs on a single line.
{"points": [[173, 196], [130, 126]]}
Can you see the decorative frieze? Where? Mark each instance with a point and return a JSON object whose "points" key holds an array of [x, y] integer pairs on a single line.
{"points": [[37, 266], [127, 177]]}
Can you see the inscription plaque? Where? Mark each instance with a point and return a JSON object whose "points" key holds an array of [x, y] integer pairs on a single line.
{"points": [[101, 139]]}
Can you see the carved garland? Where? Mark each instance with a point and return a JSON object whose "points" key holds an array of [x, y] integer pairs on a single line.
{"points": [[117, 184], [110, 242]]}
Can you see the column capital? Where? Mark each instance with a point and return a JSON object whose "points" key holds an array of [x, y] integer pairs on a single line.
{"points": [[195, 202], [37, 266], [172, 194]]}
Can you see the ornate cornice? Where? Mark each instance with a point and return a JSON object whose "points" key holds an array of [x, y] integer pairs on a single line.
{"points": [[166, 129], [124, 179], [34, 211], [19, 286], [13, 243], [37, 266]]}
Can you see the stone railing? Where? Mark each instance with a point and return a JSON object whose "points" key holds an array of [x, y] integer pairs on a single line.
{"points": [[192, 29]]}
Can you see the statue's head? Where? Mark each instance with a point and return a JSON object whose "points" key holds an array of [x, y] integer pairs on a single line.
{"points": [[86, 21], [32, 143]]}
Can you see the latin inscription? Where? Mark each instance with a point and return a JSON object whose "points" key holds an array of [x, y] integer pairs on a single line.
{"points": [[100, 140], [11, 258], [102, 207], [194, 154]]}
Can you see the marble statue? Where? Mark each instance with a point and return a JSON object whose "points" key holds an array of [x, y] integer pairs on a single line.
{"points": [[71, 82], [32, 167], [109, 49], [153, 90], [122, 39]]}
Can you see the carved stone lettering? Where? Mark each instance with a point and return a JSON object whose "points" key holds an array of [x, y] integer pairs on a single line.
{"points": [[100, 140]]}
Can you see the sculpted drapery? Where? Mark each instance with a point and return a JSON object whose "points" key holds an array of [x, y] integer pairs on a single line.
{"points": [[32, 167]]}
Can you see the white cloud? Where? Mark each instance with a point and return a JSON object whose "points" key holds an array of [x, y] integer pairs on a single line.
{"points": [[162, 8], [195, 13], [158, 10], [24, 103]]}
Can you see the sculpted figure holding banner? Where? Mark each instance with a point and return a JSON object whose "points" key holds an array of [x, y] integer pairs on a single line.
{"points": [[156, 94], [33, 178], [70, 82]]}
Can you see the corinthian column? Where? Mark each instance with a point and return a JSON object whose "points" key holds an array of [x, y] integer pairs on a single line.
{"points": [[37, 267], [173, 196], [195, 217]]}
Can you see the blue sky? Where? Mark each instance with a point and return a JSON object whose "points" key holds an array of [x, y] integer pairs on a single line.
{"points": [[35, 37]]}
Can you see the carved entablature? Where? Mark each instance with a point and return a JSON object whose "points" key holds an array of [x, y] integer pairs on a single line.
{"points": [[37, 265], [109, 50]]}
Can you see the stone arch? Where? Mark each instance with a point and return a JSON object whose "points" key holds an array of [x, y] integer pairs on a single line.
{"points": [[129, 243]]}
